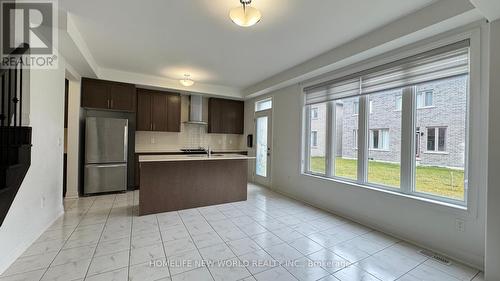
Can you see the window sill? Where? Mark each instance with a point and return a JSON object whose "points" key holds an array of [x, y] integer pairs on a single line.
{"points": [[382, 150], [426, 107], [437, 152], [432, 202]]}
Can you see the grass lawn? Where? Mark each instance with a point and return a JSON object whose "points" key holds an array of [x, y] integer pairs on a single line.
{"points": [[434, 180]]}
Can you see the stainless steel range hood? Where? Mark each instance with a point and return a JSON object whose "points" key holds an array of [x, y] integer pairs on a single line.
{"points": [[196, 110]]}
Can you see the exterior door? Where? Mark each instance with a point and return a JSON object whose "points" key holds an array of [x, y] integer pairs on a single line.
{"points": [[417, 143], [263, 149]]}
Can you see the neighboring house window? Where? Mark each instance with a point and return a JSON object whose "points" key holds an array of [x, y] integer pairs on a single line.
{"points": [[425, 98], [355, 107], [314, 113], [314, 138], [436, 139], [379, 139], [355, 138], [399, 102]]}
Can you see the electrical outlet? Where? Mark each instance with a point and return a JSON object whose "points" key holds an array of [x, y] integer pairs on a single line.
{"points": [[460, 225]]}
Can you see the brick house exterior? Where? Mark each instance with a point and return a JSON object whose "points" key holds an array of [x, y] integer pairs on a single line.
{"points": [[441, 104]]}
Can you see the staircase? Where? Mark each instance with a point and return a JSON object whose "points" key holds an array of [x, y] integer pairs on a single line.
{"points": [[15, 139]]}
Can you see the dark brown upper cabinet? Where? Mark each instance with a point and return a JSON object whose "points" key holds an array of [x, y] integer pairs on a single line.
{"points": [[109, 95], [225, 116], [158, 111]]}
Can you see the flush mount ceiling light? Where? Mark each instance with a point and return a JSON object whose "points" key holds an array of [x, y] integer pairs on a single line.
{"points": [[245, 16], [187, 81]]}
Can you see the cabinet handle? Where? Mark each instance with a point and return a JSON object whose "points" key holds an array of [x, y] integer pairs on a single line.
{"points": [[111, 103], [154, 126], [108, 104], [151, 126]]}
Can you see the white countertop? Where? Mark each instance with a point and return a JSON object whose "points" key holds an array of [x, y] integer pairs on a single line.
{"points": [[192, 157], [222, 150]]}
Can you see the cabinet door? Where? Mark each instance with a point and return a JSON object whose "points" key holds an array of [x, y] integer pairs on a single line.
{"points": [[225, 116], [236, 109], [122, 97], [144, 112], [159, 112], [240, 117], [174, 113], [137, 179], [95, 94], [215, 109]]}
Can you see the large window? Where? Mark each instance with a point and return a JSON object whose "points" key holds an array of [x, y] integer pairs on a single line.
{"points": [[400, 126]]}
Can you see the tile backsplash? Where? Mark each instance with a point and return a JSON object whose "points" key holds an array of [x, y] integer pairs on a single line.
{"points": [[191, 136]]}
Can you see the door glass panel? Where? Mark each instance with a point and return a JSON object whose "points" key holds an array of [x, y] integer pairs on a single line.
{"points": [[261, 155]]}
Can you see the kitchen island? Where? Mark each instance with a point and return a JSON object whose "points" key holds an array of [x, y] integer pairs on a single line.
{"points": [[176, 182]]}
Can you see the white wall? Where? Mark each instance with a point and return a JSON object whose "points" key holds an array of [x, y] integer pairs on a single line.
{"points": [[27, 219], [492, 268]]}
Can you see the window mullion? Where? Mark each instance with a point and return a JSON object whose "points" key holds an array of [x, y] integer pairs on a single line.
{"points": [[307, 139], [363, 139], [408, 114], [330, 139]]}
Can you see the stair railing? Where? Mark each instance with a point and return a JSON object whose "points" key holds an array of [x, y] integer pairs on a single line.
{"points": [[11, 100]]}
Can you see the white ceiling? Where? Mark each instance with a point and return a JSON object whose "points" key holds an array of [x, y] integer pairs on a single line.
{"points": [[168, 38]]}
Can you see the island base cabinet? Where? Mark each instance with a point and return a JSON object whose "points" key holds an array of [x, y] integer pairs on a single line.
{"points": [[177, 185]]}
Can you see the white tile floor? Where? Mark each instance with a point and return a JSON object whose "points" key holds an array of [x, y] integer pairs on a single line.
{"points": [[268, 237]]}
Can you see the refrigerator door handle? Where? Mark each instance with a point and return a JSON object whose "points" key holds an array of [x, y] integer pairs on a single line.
{"points": [[125, 143], [106, 165]]}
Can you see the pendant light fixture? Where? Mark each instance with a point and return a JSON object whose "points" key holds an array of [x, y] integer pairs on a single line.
{"points": [[187, 81], [245, 15]]}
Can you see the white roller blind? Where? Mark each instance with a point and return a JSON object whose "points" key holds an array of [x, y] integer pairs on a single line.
{"points": [[447, 61]]}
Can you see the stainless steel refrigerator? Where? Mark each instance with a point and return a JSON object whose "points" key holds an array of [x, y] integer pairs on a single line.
{"points": [[105, 155]]}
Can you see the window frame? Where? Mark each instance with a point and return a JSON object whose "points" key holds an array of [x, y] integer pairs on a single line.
{"points": [[472, 116]]}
